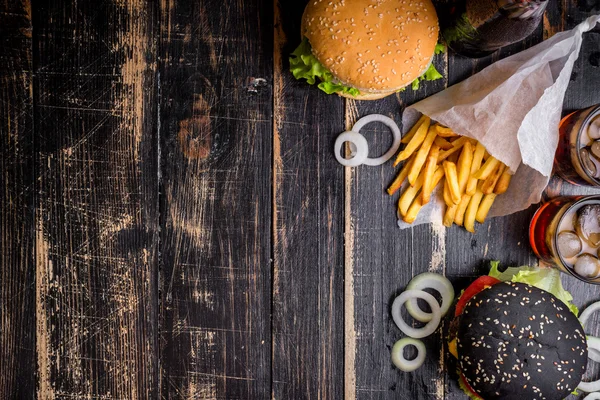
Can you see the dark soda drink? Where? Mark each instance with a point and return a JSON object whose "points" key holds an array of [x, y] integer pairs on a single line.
{"points": [[577, 158], [565, 233], [477, 28]]}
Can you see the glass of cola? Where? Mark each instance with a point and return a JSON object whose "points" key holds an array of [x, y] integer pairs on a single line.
{"points": [[565, 233], [577, 158]]}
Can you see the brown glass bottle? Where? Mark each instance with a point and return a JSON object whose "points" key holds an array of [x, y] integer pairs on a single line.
{"points": [[476, 28]]}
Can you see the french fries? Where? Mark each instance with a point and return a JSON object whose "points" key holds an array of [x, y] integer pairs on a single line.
{"points": [[449, 215], [484, 207], [415, 142], [476, 164], [470, 215], [503, 182], [430, 166], [443, 143], [417, 204], [490, 164], [456, 146], [409, 194], [397, 183], [464, 166], [462, 208], [409, 135], [452, 179], [445, 132], [421, 156], [472, 178], [490, 182], [447, 197], [412, 212]]}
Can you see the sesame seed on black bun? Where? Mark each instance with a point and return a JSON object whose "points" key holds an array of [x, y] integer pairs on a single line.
{"points": [[516, 341]]}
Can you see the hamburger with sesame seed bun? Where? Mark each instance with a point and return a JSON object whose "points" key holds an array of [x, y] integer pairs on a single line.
{"points": [[513, 340], [367, 49]]}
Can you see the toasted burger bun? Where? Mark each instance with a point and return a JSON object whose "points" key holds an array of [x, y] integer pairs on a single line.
{"points": [[376, 48], [516, 341], [367, 95]]}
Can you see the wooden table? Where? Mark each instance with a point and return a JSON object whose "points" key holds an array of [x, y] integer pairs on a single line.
{"points": [[173, 221]]}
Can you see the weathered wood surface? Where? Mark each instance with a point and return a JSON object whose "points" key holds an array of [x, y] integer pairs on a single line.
{"points": [[308, 228], [95, 95], [216, 138], [174, 224], [17, 198]]}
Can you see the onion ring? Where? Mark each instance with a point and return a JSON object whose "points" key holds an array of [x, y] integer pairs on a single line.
{"points": [[356, 139], [593, 354], [395, 132], [429, 280], [430, 327], [593, 386], [398, 354]]}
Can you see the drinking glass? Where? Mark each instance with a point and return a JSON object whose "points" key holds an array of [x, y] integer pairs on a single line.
{"points": [[577, 158], [565, 233]]}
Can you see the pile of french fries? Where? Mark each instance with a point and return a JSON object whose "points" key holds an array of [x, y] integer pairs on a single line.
{"points": [[436, 155]]}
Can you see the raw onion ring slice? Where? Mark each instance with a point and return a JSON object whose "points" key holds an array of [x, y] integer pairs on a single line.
{"points": [[593, 354], [593, 386], [429, 280], [430, 327], [395, 133], [398, 354], [361, 151]]}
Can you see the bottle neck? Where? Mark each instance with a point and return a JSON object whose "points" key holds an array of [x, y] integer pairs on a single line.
{"points": [[523, 9]]}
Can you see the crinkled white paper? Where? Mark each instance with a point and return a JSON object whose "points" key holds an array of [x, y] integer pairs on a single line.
{"points": [[513, 107]]}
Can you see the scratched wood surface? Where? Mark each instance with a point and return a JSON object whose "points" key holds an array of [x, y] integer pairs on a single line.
{"points": [[308, 226], [216, 138], [96, 226], [17, 198], [174, 224]]}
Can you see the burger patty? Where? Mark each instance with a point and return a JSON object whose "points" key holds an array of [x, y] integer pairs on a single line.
{"points": [[516, 341]]}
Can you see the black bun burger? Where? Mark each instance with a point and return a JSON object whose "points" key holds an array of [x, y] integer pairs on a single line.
{"points": [[515, 341], [367, 49]]}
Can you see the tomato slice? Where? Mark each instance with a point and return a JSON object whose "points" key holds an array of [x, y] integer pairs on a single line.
{"points": [[477, 286], [465, 386]]}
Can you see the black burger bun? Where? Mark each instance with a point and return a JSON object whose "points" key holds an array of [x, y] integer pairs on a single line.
{"points": [[516, 341]]}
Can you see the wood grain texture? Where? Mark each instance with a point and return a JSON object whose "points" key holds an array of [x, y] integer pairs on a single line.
{"points": [[383, 261], [17, 198], [560, 16], [216, 73], [96, 221], [308, 290], [503, 238], [173, 223]]}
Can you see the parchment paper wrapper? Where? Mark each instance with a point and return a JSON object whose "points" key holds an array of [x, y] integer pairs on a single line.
{"points": [[513, 107]]}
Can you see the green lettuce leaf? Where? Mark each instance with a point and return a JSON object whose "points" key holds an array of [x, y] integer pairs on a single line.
{"points": [[430, 75], [304, 65], [440, 48], [547, 279]]}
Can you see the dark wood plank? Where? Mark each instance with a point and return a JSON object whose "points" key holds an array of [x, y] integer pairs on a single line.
{"points": [[96, 221], [497, 238], [580, 94], [564, 15], [308, 289], [17, 198], [505, 239], [383, 260], [216, 133]]}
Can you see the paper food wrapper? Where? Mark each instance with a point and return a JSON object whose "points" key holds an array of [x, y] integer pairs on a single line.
{"points": [[513, 107]]}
